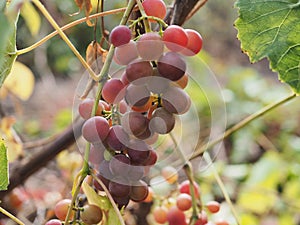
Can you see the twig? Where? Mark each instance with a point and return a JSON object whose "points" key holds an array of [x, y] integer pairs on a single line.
{"points": [[11, 216]]}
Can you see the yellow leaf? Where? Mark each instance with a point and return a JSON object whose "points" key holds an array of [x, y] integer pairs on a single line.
{"points": [[12, 141], [19, 82], [31, 17]]}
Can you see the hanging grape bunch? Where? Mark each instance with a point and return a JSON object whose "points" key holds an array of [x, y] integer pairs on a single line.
{"points": [[141, 104]]}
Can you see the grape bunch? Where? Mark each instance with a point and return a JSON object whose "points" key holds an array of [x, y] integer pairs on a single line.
{"points": [[139, 105], [173, 202]]}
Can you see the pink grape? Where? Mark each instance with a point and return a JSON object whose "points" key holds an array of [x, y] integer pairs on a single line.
{"points": [[113, 91], [184, 202], [54, 222], [160, 214], [155, 8], [124, 54], [194, 44], [175, 38], [175, 216], [120, 35], [150, 46], [95, 129]]}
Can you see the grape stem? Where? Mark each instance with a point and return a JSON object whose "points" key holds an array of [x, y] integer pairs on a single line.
{"points": [[200, 150], [50, 19], [11, 216], [144, 16], [188, 169]]}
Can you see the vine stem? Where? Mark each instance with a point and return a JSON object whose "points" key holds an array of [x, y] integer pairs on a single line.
{"points": [[50, 19], [67, 26], [221, 185], [188, 169], [144, 15], [241, 124], [11, 216]]}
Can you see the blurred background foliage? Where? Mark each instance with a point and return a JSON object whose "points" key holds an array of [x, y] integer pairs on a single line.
{"points": [[260, 164]]}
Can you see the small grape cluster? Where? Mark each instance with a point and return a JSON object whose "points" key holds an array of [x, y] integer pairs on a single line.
{"points": [[89, 214], [139, 105], [177, 207]]}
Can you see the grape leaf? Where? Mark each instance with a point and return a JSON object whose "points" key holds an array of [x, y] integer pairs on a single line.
{"points": [[31, 17], [269, 28], [7, 42], [3, 167]]}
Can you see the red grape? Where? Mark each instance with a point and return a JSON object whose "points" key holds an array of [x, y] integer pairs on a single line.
{"points": [[96, 154], [95, 129], [120, 35], [139, 191], [136, 95], [150, 46], [121, 201], [162, 121], [138, 69], [184, 187], [86, 106], [151, 160], [194, 44], [91, 214], [135, 173], [117, 139], [134, 123], [113, 91], [184, 201], [54, 222], [213, 206], [202, 219], [160, 214], [61, 208], [118, 189], [138, 151], [119, 165], [175, 38], [155, 8], [175, 216], [171, 66], [175, 100], [124, 54], [183, 81]]}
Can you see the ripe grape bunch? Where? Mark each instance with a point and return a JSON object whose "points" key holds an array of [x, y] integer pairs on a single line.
{"points": [[139, 105]]}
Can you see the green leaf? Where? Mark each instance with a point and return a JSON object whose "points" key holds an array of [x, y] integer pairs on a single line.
{"points": [[3, 167], [7, 42], [268, 28]]}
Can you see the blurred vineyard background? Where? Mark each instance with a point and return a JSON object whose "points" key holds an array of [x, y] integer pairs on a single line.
{"points": [[259, 165]]}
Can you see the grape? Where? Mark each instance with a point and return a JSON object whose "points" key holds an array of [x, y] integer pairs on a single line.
{"points": [[124, 79], [91, 214], [121, 201], [118, 189], [105, 105], [171, 66], [119, 165], [61, 209], [152, 139], [183, 81], [104, 181], [117, 139], [184, 187], [194, 44], [162, 121], [151, 160], [113, 91], [138, 151], [175, 100], [139, 191], [170, 174], [149, 197], [155, 8], [136, 95], [184, 202], [157, 84], [86, 106], [202, 219], [123, 107], [126, 53], [138, 69], [95, 129], [136, 173], [213, 206], [134, 123], [175, 216], [120, 35], [160, 214], [54, 222], [96, 154], [150, 46], [175, 38], [104, 171]]}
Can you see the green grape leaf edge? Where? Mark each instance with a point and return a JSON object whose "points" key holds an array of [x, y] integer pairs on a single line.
{"points": [[268, 28]]}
